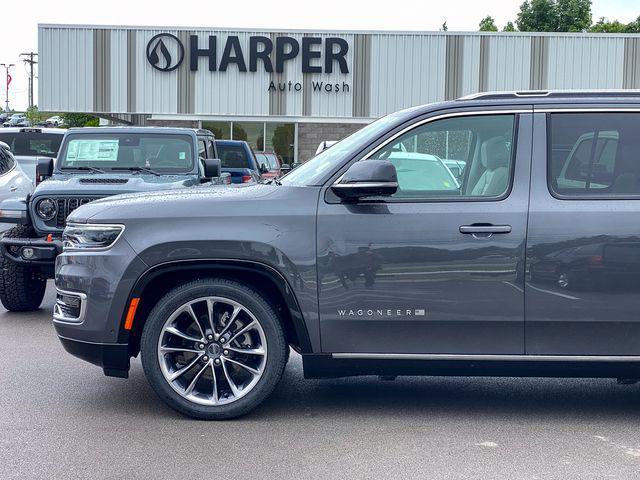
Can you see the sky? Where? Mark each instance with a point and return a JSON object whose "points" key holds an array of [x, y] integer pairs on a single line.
{"points": [[21, 18]]}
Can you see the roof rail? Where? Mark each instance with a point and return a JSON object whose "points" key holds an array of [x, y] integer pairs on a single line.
{"points": [[553, 94]]}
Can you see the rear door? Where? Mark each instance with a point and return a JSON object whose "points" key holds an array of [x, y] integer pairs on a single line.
{"points": [[583, 243]]}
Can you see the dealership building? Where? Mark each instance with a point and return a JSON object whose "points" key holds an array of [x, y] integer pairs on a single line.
{"points": [[286, 91]]}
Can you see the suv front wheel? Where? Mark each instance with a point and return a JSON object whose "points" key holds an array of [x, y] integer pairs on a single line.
{"points": [[213, 349]]}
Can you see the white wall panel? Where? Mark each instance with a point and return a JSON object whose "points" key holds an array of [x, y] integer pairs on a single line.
{"points": [[65, 78], [406, 70], [118, 83], [509, 60], [586, 62]]}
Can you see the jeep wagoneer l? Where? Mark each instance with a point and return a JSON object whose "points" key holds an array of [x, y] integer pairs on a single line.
{"points": [[374, 258]]}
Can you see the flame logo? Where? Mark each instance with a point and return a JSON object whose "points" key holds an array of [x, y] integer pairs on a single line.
{"points": [[158, 54]]}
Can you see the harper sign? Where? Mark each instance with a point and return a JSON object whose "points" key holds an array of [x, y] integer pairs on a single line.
{"points": [[319, 55]]}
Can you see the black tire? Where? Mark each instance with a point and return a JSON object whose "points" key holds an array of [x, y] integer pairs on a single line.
{"points": [[261, 309], [21, 288]]}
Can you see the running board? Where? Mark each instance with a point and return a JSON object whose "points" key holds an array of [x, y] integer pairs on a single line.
{"points": [[484, 358]]}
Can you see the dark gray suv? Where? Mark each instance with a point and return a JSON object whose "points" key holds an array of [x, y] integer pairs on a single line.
{"points": [[374, 258]]}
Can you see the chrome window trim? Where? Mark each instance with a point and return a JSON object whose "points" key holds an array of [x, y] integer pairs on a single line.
{"points": [[492, 357], [60, 317], [548, 109]]}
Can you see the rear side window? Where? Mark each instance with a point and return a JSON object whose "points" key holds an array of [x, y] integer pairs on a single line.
{"points": [[233, 156], [32, 143], [594, 154], [6, 162]]}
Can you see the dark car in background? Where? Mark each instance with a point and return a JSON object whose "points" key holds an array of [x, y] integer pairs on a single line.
{"points": [[237, 158], [28, 145], [271, 165]]}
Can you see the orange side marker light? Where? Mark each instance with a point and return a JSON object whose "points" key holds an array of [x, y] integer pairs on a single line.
{"points": [[131, 313]]}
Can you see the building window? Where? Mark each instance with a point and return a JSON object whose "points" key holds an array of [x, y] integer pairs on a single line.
{"points": [[221, 130], [252, 133], [281, 138]]}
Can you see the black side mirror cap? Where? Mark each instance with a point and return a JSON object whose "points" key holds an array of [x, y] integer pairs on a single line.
{"points": [[44, 169], [212, 167], [367, 178]]}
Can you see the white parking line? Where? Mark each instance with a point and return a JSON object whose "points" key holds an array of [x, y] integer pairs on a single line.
{"points": [[563, 295]]}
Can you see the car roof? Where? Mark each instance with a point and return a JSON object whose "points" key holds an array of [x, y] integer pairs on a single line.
{"points": [[231, 142], [628, 97], [58, 131], [134, 129]]}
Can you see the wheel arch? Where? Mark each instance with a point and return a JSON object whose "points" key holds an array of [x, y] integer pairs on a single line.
{"points": [[158, 280]]}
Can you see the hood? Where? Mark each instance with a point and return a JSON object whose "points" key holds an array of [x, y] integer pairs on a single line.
{"points": [[193, 201], [100, 184]]}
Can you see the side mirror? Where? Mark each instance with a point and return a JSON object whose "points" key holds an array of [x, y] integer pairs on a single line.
{"points": [[285, 167], [44, 169], [212, 167], [367, 178], [263, 168]]}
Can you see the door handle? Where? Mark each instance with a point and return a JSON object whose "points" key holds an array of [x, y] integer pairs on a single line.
{"points": [[485, 229], [13, 188]]}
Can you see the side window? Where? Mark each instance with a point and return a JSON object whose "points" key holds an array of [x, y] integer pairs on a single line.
{"points": [[454, 157], [6, 161], [594, 154], [202, 148]]}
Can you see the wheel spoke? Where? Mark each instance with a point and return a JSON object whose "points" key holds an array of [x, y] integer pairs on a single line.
{"points": [[190, 311], [250, 351], [195, 380], [178, 333], [210, 315], [234, 315], [230, 381], [179, 350], [242, 365], [184, 369], [241, 331], [215, 384]]}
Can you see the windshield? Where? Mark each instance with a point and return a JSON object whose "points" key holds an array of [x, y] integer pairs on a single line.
{"points": [[32, 144], [315, 170], [166, 153]]}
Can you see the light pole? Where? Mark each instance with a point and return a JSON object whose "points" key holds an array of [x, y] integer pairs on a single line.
{"points": [[7, 81]]}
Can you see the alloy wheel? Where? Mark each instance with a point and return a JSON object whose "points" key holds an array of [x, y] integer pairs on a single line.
{"points": [[212, 351]]}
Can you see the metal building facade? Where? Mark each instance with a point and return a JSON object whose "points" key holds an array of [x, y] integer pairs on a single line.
{"points": [[106, 70]]}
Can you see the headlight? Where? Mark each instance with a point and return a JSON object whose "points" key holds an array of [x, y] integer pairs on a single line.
{"points": [[90, 236], [46, 209]]}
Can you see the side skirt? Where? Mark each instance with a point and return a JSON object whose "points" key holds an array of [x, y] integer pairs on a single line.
{"points": [[349, 365]]}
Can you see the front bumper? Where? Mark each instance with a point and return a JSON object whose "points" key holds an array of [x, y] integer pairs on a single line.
{"points": [[112, 357], [103, 280], [30, 251]]}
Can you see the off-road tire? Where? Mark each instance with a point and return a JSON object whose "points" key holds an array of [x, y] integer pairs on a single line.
{"points": [[263, 312], [21, 289]]}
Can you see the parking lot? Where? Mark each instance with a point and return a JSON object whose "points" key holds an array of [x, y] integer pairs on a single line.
{"points": [[61, 418]]}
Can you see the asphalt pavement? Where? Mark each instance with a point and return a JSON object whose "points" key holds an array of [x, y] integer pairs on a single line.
{"points": [[61, 418]]}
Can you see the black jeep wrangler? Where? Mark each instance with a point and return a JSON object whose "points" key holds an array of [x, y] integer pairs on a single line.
{"points": [[92, 163]]}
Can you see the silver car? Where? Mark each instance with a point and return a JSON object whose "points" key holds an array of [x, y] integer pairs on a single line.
{"points": [[13, 181], [30, 144]]}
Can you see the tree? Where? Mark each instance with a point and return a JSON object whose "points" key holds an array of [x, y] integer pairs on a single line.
{"points": [[554, 16], [444, 27], [33, 115], [573, 15], [487, 24], [509, 27], [79, 119], [605, 26]]}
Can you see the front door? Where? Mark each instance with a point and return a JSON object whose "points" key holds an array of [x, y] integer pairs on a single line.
{"points": [[583, 247], [438, 267]]}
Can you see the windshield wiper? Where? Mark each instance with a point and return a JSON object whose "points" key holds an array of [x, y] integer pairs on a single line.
{"points": [[137, 169], [84, 169]]}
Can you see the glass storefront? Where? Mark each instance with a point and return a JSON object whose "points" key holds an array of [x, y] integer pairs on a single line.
{"points": [[262, 136]]}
